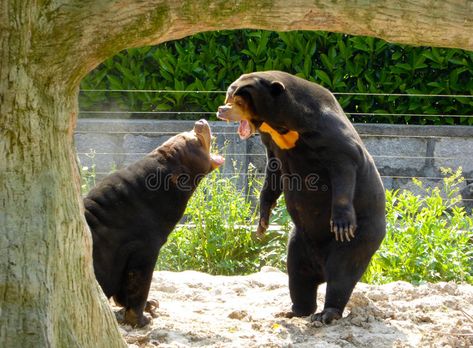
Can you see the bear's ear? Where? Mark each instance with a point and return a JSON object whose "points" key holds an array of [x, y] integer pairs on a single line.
{"points": [[277, 87]]}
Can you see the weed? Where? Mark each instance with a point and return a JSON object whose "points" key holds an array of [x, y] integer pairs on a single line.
{"points": [[87, 174], [429, 237], [217, 236]]}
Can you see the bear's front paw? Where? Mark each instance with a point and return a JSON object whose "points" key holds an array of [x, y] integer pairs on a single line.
{"points": [[262, 227], [343, 224], [265, 213]]}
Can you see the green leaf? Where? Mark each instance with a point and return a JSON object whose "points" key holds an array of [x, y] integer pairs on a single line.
{"points": [[396, 55], [322, 75], [326, 61]]}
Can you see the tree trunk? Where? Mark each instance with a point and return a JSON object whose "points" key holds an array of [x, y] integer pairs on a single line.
{"points": [[48, 293]]}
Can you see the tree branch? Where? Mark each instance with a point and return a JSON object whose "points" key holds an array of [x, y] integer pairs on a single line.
{"points": [[99, 29]]}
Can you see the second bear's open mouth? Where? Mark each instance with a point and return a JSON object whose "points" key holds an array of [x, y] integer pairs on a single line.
{"points": [[204, 133], [216, 160]]}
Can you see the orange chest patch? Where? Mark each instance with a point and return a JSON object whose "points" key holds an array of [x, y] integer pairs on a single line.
{"points": [[283, 141]]}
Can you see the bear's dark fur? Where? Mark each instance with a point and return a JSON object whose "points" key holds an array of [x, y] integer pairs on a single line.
{"points": [[132, 211], [332, 188]]}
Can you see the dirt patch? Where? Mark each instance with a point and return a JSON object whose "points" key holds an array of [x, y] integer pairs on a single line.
{"points": [[200, 310]]}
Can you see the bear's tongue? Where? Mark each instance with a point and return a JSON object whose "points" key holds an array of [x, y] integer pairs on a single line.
{"points": [[217, 160], [244, 129]]}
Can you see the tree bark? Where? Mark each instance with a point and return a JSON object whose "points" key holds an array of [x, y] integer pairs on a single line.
{"points": [[48, 293]]}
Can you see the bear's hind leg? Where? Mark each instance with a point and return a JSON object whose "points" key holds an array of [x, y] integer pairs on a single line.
{"points": [[346, 263], [135, 288], [304, 278], [138, 284]]}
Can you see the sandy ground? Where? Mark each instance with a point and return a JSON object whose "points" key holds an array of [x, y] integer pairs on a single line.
{"points": [[200, 310]]}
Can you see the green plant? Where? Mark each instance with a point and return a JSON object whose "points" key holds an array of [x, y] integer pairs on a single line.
{"points": [[349, 64], [218, 234], [429, 237], [87, 174]]}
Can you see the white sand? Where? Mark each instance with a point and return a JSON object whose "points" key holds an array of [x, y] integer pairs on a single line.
{"points": [[200, 310]]}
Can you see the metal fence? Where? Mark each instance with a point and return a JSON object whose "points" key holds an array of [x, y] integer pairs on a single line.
{"points": [[446, 146]]}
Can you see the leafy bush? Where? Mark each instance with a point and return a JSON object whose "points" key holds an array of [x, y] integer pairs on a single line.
{"points": [[218, 236], [348, 64], [429, 237]]}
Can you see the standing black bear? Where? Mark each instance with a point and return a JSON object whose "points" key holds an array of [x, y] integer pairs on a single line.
{"points": [[338, 205], [132, 211]]}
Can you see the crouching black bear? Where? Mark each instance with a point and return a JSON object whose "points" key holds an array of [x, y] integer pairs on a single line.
{"points": [[132, 211], [332, 188]]}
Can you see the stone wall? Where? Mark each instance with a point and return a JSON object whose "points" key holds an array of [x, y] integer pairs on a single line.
{"points": [[400, 152]]}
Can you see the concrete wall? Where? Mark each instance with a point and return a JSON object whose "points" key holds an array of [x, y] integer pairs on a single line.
{"points": [[400, 151]]}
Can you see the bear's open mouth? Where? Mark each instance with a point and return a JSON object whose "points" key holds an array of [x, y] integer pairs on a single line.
{"points": [[245, 130], [204, 133], [234, 110], [245, 127]]}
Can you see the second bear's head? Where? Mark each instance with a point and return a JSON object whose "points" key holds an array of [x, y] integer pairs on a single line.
{"points": [[191, 151]]}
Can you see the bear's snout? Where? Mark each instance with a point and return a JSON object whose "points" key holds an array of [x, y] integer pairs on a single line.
{"points": [[224, 113]]}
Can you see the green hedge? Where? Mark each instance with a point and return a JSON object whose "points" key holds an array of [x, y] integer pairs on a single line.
{"points": [[211, 61]]}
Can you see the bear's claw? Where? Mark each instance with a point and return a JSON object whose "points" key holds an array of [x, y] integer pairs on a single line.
{"points": [[327, 316], [262, 227], [342, 231]]}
